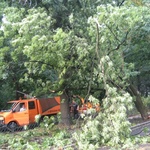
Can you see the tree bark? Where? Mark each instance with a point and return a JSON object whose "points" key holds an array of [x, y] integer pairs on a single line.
{"points": [[138, 102], [65, 115]]}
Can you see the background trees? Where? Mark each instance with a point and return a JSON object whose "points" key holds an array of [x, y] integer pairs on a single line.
{"points": [[97, 48]]}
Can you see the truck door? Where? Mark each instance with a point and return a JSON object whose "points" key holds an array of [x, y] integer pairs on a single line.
{"points": [[33, 111], [20, 114]]}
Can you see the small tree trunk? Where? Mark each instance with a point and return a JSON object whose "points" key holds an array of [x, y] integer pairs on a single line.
{"points": [[65, 116], [138, 102]]}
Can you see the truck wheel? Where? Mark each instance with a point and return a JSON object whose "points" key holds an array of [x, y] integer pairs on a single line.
{"points": [[12, 125]]}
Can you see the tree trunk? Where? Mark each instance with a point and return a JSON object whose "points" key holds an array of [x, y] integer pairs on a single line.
{"points": [[65, 115], [138, 102]]}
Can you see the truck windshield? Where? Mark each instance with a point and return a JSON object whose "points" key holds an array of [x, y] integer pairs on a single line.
{"points": [[8, 107]]}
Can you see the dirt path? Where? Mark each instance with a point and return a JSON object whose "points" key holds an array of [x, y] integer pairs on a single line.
{"points": [[144, 147]]}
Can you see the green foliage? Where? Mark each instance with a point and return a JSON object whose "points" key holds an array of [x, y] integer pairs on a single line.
{"points": [[6, 93], [94, 47], [16, 53], [48, 53], [48, 124], [110, 127], [147, 101]]}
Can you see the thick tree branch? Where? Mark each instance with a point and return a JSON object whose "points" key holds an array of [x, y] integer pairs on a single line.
{"points": [[120, 44], [90, 82], [112, 32], [121, 3], [41, 62]]}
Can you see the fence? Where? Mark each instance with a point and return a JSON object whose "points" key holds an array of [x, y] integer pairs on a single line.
{"points": [[4, 129]]}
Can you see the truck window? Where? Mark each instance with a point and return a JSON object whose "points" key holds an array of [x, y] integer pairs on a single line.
{"points": [[8, 107], [22, 107], [19, 108], [31, 105]]}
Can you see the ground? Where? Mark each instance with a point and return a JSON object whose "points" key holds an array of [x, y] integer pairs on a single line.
{"points": [[144, 147], [133, 119]]}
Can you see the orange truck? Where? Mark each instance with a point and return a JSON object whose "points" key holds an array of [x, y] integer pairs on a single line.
{"points": [[22, 112]]}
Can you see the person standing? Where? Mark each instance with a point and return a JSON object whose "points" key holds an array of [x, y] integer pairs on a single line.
{"points": [[74, 110]]}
